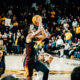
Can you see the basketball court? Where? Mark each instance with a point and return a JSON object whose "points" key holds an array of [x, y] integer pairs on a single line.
{"points": [[60, 68]]}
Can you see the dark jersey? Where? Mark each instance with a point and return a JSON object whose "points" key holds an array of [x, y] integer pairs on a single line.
{"points": [[31, 51]]}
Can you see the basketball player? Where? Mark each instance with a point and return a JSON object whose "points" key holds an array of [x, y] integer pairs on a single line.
{"points": [[31, 60]]}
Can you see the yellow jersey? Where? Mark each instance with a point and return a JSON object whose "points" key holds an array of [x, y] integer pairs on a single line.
{"points": [[77, 30], [68, 36]]}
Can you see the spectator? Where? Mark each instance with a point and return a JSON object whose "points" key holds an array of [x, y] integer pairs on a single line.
{"points": [[53, 43], [78, 32], [66, 49], [68, 36], [10, 43], [13, 45], [18, 33], [59, 42], [22, 43], [14, 38], [66, 26], [46, 41], [63, 34], [73, 31], [62, 20], [17, 46], [74, 23], [5, 38], [0, 35], [75, 75]]}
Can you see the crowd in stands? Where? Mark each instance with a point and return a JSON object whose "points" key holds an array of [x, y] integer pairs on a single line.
{"points": [[61, 22]]}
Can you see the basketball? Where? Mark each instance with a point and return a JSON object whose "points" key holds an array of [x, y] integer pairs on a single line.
{"points": [[36, 19]]}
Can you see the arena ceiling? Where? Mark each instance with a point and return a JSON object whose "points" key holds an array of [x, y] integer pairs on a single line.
{"points": [[5, 3]]}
